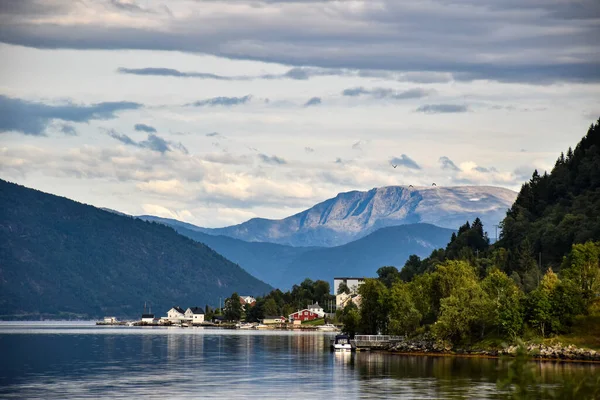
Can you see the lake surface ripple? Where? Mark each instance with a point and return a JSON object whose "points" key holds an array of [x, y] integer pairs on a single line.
{"points": [[81, 361]]}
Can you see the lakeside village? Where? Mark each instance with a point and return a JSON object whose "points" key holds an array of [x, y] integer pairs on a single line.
{"points": [[312, 317]]}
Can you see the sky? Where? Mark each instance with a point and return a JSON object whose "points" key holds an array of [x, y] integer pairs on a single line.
{"points": [[214, 112]]}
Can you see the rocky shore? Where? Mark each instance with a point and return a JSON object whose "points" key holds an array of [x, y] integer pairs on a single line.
{"points": [[536, 351]]}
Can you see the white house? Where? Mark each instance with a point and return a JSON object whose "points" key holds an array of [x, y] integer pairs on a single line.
{"points": [[249, 300], [273, 319], [176, 314], [352, 283], [317, 309], [195, 315], [149, 319], [110, 320]]}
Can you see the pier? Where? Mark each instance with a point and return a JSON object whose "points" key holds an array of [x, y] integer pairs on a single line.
{"points": [[368, 342]]}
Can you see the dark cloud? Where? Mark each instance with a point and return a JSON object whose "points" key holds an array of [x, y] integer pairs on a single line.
{"points": [[448, 164], [386, 93], [123, 138], [32, 118], [314, 101], [68, 130], [447, 38], [213, 134], [144, 128], [175, 73], [485, 170], [271, 159], [405, 161], [338, 161], [355, 91], [222, 101], [153, 142], [309, 150], [127, 6], [442, 108]]}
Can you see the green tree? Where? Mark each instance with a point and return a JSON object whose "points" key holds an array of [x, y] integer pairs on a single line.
{"points": [[373, 312], [404, 317], [343, 288], [505, 298], [388, 275], [233, 308], [351, 319], [582, 266], [270, 307], [412, 267]]}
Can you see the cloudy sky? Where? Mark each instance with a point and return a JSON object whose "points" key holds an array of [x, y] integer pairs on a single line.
{"points": [[214, 112]]}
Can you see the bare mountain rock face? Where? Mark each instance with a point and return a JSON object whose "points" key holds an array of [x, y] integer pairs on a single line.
{"points": [[353, 215]]}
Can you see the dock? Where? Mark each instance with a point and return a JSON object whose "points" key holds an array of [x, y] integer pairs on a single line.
{"points": [[374, 342]]}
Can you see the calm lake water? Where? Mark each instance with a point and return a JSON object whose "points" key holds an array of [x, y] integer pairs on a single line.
{"points": [[80, 360]]}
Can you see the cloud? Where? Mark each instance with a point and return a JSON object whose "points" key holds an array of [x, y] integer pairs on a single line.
{"points": [[309, 150], [547, 41], [386, 93], [222, 101], [176, 73], [360, 144], [314, 101], [448, 164], [355, 91], [68, 130], [128, 6], [32, 118], [144, 128], [296, 73], [405, 161], [272, 159], [442, 108], [213, 134], [153, 142]]}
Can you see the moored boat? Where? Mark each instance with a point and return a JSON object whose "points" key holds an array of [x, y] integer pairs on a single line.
{"points": [[327, 328], [341, 343]]}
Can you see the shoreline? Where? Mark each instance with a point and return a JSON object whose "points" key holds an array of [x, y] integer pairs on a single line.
{"points": [[541, 352], [489, 356]]}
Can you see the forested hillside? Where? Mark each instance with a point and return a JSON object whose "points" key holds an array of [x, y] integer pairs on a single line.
{"points": [[553, 211], [63, 258], [471, 291]]}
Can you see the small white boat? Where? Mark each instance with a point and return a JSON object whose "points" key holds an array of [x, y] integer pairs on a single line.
{"points": [[245, 326], [341, 343], [328, 328]]}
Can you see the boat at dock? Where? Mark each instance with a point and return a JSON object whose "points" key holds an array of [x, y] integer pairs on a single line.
{"points": [[328, 328], [341, 343]]}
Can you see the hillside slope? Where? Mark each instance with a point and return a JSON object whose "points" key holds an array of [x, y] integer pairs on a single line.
{"points": [[63, 258], [283, 266], [553, 211], [352, 215]]}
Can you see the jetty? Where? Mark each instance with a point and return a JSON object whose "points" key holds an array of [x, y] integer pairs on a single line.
{"points": [[374, 342]]}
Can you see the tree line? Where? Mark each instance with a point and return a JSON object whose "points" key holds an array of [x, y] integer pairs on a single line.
{"points": [[462, 294]]}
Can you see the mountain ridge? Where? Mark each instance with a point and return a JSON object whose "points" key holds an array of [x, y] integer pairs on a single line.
{"points": [[63, 258], [283, 266], [351, 215]]}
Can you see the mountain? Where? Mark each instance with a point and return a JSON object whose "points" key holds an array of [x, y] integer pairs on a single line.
{"points": [[361, 258], [283, 266], [61, 258], [353, 215], [554, 211]]}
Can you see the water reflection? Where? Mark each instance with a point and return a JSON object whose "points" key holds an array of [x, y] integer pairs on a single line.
{"points": [[84, 361]]}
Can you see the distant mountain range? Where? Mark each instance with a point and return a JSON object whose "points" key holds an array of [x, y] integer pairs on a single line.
{"points": [[353, 215], [283, 266], [60, 258]]}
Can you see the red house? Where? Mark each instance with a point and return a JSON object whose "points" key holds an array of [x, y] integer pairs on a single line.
{"points": [[303, 315]]}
